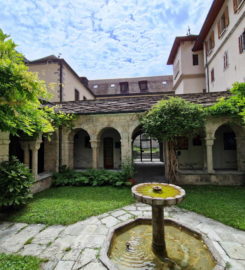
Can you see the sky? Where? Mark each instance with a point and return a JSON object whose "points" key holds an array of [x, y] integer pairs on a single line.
{"points": [[103, 38]]}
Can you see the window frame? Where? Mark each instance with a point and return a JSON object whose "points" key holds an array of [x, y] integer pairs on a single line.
{"points": [[225, 60], [241, 42], [223, 22], [212, 75], [76, 95], [124, 87], [143, 86], [195, 59], [210, 43], [237, 5]]}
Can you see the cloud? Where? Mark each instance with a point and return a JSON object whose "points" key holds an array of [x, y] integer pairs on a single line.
{"points": [[103, 38]]}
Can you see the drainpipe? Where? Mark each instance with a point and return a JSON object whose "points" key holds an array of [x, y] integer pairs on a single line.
{"points": [[207, 70], [61, 99]]}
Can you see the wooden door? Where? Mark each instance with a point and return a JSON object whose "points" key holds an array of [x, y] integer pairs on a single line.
{"points": [[108, 153]]}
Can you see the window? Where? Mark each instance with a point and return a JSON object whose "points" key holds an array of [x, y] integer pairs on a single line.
{"points": [[212, 75], [84, 98], [77, 95], [225, 60], [237, 4], [223, 22], [209, 44], [241, 41], [164, 83], [143, 86], [112, 85], [195, 59], [176, 69], [95, 86], [124, 87]]}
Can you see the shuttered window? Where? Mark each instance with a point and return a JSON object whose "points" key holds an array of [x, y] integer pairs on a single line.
{"points": [[237, 4], [210, 43], [225, 60], [223, 22], [241, 42]]}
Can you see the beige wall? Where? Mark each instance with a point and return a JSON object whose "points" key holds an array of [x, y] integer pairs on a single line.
{"points": [[49, 72], [70, 83], [191, 79], [224, 78]]}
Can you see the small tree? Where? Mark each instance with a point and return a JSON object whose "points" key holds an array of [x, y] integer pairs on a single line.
{"points": [[169, 119]]}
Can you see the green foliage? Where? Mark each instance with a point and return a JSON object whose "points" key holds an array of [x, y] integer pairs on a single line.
{"points": [[67, 205], [174, 117], [91, 177], [17, 262], [225, 204], [15, 183], [20, 95], [128, 169], [233, 106]]}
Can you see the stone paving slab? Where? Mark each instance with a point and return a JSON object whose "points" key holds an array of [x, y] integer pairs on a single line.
{"points": [[77, 246]]}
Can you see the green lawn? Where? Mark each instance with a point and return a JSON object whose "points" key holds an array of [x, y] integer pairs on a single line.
{"points": [[66, 205], [225, 204], [16, 262]]}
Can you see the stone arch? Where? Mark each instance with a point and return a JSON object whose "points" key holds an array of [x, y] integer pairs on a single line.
{"points": [[109, 139], [141, 142], [225, 148], [80, 149]]}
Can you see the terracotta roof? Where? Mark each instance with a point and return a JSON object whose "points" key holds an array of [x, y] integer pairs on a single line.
{"points": [[212, 14], [176, 45], [132, 104]]}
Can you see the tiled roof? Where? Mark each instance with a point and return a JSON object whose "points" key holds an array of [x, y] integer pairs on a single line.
{"points": [[132, 104]]}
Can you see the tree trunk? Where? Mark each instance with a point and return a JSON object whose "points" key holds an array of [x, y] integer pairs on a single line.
{"points": [[172, 162]]}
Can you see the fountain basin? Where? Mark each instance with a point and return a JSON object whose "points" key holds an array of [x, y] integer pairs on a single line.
{"points": [[128, 246], [167, 196]]}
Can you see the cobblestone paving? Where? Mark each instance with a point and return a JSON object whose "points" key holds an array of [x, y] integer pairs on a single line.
{"points": [[77, 246]]}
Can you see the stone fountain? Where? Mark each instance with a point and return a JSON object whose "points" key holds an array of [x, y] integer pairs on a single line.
{"points": [[158, 243], [158, 196]]}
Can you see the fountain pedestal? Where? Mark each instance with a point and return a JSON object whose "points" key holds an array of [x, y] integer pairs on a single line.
{"points": [[158, 240]]}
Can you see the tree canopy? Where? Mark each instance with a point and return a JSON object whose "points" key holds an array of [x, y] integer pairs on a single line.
{"points": [[21, 93], [173, 117]]}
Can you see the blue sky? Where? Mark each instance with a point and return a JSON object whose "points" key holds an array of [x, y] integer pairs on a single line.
{"points": [[102, 38]]}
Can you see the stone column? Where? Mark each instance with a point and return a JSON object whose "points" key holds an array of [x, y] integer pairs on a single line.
{"points": [[25, 147], [240, 142], [4, 146], [209, 150], [34, 146], [126, 149], [95, 153]]}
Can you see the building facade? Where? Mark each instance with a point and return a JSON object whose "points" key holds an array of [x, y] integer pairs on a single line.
{"points": [[108, 111]]}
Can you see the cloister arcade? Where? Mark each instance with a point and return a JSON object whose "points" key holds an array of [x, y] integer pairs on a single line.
{"points": [[106, 141]]}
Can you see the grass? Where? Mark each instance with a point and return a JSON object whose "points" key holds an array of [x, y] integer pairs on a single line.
{"points": [[225, 204], [17, 262], [67, 205]]}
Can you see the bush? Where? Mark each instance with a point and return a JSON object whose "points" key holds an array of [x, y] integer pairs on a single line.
{"points": [[91, 177], [15, 183]]}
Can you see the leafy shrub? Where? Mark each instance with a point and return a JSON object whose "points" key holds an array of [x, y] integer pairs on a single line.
{"points": [[15, 183], [91, 177]]}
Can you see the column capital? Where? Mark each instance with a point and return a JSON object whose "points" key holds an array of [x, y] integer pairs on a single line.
{"points": [[35, 145], [94, 143], [209, 141]]}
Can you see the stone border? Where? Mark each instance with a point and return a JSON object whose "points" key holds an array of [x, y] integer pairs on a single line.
{"points": [[220, 263], [158, 201]]}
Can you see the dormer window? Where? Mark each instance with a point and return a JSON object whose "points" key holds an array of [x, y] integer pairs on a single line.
{"points": [[143, 86], [77, 95], [95, 86], [124, 87], [223, 22]]}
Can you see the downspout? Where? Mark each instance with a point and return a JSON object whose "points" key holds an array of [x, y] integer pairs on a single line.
{"points": [[207, 70], [61, 99]]}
